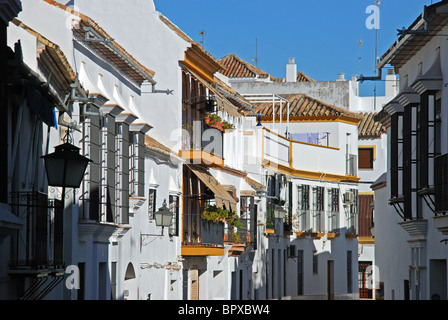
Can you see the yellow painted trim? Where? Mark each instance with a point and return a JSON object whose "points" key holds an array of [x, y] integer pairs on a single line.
{"points": [[198, 70], [309, 174], [317, 235], [332, 235], [202, 157], [269, 230], [367, 193], [201, 251], [369, 146], [302, 234], [366, 240]]}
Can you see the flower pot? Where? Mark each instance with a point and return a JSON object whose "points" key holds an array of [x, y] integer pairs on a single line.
{"points": [[207, 120]]}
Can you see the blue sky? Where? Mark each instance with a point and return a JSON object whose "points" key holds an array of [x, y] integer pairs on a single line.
{"points": [[323, 36]]}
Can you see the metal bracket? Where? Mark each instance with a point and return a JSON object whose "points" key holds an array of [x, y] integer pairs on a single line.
{"points": [[361, 78], [70, 125], [90, 36], [167, 91], [425, 30], [72, 97]]}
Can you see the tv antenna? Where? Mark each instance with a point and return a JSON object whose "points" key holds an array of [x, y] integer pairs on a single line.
{"points": [[256, 53], [360, 44], [377, 3], [202, 33]]}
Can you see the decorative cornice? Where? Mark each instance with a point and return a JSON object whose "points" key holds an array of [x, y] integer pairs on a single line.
{"points": [[111, 109], [417, 229], [408, 96], [126, 117], [135, 203], [140, 127], [100, 231], [441, 223]]}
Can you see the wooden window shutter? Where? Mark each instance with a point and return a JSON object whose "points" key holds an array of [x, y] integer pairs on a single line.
{"points": [[365, 158]]}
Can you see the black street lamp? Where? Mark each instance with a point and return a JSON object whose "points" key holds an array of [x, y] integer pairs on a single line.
{"points": [[65, 167], [163, 216]]}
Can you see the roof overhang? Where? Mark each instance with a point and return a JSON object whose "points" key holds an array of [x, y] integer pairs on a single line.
{"points": [[408, 45]]}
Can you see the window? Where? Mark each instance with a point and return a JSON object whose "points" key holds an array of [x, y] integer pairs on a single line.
{"points": [[318, 209], [315, 263], [174, 208], [136, 163], [364, 276], [299, 272], [352, 217], [441, 183], [151, 203], [333, 209], [249, 219], [365, 219], [349, 271], [365, 158], [303, 206]]}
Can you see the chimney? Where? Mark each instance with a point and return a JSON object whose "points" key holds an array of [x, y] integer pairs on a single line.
{"points": [[291, 70], [341, 77], [391, 83]]}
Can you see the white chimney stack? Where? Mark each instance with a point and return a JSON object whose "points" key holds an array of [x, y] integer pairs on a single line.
{"points": [[391, 84], [341, 77], [291, 70]]}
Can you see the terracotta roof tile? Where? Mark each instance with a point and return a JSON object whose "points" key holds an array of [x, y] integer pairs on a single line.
{"points": [[368, 128], [235, 67], [301, 77], [155, 145], [115, 53], [52, 52], [301, 106]]}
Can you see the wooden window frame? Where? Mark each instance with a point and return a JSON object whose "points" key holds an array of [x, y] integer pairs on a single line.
{"points": [[372, 157]]}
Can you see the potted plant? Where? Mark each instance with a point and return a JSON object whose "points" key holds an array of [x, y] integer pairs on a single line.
{"points": [[214, 118], [207, 118], [228, 127], [215, 214]]}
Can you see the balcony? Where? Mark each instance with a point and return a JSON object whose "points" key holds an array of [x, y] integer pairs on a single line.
{"points": [[37, 248], [287, 156], [201, 237], [202, 143]]}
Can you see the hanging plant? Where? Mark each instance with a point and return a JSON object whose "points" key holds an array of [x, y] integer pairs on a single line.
{"points": [[214, 118], [215, 214]]}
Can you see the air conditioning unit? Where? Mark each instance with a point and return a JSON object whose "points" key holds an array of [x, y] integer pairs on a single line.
{"points": [[348, 198], [291, 251]]}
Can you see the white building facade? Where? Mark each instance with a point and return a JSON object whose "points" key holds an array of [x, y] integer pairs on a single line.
{"points": [[410, 234]]}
